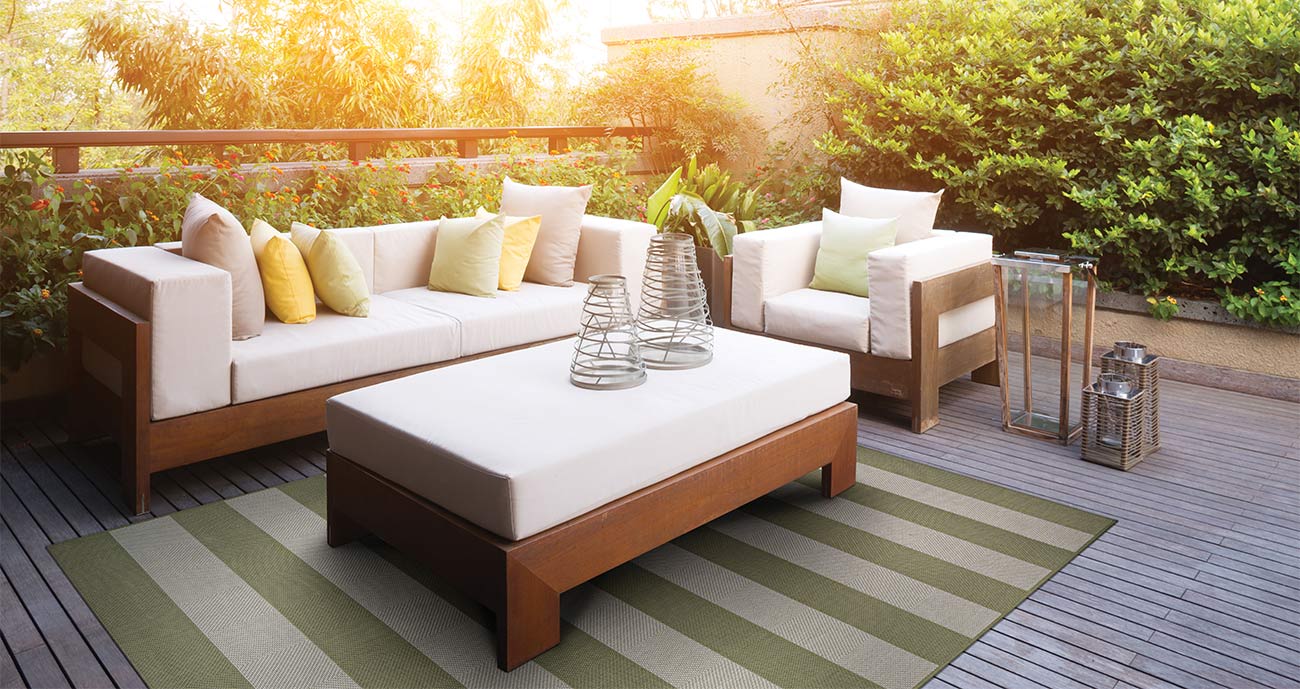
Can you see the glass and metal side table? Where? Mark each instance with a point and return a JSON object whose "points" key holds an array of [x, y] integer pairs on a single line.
{"points": [[1045, 303]]}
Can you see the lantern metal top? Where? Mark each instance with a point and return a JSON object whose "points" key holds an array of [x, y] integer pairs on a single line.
{"points": [[1049, 260]]}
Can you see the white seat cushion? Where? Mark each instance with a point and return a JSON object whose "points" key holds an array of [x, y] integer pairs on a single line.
{"points": [[509, 444], [531, 314], [833, 319], [335, 348]]}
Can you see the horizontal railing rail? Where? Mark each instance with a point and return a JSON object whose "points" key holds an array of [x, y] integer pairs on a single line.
{"points": [[65, 146]]}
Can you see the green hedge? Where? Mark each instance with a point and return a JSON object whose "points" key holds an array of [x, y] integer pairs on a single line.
{"points": [[1161, 135], [48, 223]]}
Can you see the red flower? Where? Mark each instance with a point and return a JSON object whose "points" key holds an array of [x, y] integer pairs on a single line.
{"points": [[39, 205]]}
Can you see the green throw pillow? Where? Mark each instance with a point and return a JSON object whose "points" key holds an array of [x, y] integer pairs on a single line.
{"points": [[467, 256], [842, 256]]}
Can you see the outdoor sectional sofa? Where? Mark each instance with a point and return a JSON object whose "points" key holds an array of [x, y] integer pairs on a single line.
{"points": [[155, 366]]}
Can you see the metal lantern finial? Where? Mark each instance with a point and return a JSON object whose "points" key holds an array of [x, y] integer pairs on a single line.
{"points": [[606, 355], [673, 325]]}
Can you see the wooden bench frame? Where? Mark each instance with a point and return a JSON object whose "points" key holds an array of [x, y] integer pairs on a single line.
{"points": [[149, 446], [918, 379], [521, 581]]}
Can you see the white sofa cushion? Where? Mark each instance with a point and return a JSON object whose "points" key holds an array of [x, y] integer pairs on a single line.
{"points": [[558, 451], [769, 263], [891, 273], [335, 348], [609, 246], [530, 314], [827, 318], [187, 304], [403, 254]]}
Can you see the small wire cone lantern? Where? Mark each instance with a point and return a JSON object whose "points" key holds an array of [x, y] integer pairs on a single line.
{"points": [[673, 326], [606, 355]]}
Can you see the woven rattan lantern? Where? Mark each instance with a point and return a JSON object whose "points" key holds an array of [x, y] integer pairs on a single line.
{"points": [[1131, 359], [606, 355], [1045, 304], [1114, 418]]}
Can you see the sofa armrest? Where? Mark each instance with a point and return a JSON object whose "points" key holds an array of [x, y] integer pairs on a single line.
{"points": [[188, 306], [609, 246], [767, 264], [891, 272]]}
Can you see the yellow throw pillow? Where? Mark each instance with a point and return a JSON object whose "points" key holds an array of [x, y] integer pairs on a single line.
{"points": [[521, 234], [285, 279], [467, 256], [335, 272]]}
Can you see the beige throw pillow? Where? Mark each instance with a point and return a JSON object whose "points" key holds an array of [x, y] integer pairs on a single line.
{"points": [[915, 210], [210, 234], [556, 250]]}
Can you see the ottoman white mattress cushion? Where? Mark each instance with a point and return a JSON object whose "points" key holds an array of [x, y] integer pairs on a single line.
{"points": [[509, 444]]}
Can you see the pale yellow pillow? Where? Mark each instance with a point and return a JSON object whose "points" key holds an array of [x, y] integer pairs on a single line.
{"points": [[521, 234], [285, 279], [335, 272], [467, 256]]}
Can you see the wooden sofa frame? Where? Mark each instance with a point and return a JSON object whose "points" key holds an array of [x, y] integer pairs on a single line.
{"points": [[149, 446], [521, 581], [918, 380]]}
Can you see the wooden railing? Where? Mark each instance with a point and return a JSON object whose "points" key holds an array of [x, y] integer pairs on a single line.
{"points": [[65, 147]]}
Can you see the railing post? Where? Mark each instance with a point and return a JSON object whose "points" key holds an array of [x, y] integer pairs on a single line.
{"points": [[67, 159], [557, 144], [467, 148], [359, 150]]}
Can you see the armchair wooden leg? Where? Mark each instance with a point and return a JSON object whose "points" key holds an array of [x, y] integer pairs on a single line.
{"points": [[925, 408], [135, 479], [987, 374]]}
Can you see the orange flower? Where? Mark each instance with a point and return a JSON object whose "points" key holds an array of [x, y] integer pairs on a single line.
{"points": [[1282, 298], [297, 198], [37, 332], [374, 192], [276, 170], [58, 189], [45, 294], [39, 205], [269, 194], [355, 163], [319, 186], [196, 176]]}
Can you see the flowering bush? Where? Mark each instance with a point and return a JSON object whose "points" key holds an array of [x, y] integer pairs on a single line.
{"points": [[49, 222]]}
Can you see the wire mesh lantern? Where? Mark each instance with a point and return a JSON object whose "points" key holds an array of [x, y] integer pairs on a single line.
{"points": [[1114, 422], [673, 326], [606, 355], [1045, 304], [1131, 359]]}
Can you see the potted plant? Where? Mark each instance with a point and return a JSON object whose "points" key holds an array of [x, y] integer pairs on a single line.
{"points": [[708, 205]]}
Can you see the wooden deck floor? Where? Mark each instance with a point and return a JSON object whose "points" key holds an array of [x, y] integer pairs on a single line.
{"points": [[1197, 586]]}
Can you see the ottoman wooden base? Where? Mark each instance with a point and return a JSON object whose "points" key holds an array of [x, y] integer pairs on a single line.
{"points": [[521, 581]]}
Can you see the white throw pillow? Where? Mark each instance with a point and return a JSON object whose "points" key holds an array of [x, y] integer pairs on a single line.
{"points": [[915, 210], [556, 250]]}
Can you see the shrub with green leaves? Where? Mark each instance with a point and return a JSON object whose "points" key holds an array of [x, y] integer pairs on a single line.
{"points": [[1163, 135], [49, 222]]}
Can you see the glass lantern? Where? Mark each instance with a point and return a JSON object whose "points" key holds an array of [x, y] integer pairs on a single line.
{"points": [[1045, 303]]}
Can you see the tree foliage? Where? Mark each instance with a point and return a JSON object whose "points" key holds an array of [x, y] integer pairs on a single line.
{"points": [[279, 63], [1162, 134], [496, 76]]}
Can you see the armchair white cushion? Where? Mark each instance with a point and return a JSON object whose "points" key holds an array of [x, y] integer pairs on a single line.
{"points": [[891, 272], [187, 304], [827, 318], [767, 264]]}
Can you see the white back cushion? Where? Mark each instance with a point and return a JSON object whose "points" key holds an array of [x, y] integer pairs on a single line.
{"points": [[915, 210], [403, 254]]}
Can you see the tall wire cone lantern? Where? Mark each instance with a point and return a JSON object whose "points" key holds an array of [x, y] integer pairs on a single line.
{"points": [[673, 326], [606, 355]]}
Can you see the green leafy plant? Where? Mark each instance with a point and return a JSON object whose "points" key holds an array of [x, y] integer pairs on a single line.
{"points": [[50, 222], [1162, 308], [705, 203], [1161, 135]]}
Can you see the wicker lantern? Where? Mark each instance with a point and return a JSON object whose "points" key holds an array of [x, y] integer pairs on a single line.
{"points": [[1114, 422], [1131, 359], [1044, 299]]}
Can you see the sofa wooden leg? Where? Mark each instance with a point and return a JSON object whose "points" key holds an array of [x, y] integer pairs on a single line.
{"points": [[842, 471], [528, 621], [135, 481], [987, 374], [925, 408]]}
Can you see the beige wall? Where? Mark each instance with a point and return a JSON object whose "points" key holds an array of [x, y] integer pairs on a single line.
{"points": [[751, 58]]}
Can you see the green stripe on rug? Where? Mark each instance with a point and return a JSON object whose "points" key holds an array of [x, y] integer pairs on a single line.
{"points": [[749, 645], [988, 492], [965, 528], [974, 587], [922, 637], [352, 637], [165, 647]]}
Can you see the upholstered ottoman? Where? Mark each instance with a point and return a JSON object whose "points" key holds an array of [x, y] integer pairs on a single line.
{"points": [[516, 485]]}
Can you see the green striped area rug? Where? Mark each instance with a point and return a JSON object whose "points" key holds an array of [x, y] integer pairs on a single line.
{"points": [[881, 587]]}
